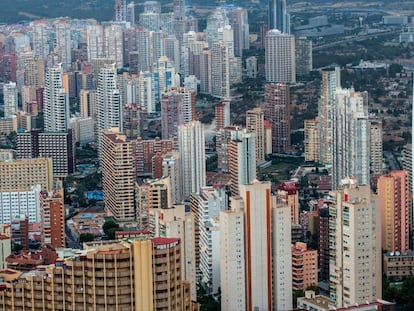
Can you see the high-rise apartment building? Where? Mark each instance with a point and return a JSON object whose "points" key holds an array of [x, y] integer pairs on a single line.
{"points": [[177, 108], [40, 40], [239, 22], [25, 173], [277, 112], [114, 44], [52, 211], [145, 152], [120, 8], [60, 146], [376, 148], [355, 245], [288, 193], [303, 54], [56, 101], [134, 121], [255, 124], [242, 159], [24, 202], [232, 257], [258, 208], [95, 44], [191, 148], [351, 135], [134, 275], [280, 57], [304, 266], [10, 99], [281, 255], [108, 101], [118, 175], [312, 140], [220, 76], [63, 43], [331, 80], [396, 211]]}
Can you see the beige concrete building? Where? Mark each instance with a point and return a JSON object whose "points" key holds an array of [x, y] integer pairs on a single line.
{"points": [[255, 124], [136, 275], [312, 140], [118, 175], [355, 245], [25, 173]]}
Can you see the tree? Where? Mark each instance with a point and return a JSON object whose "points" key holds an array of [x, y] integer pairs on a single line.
{"points": [[86, 237], [17, 247], [109, 228]]}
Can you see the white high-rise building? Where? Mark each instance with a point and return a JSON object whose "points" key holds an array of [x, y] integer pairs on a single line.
{"points": [[63, 43], [232, 257], [218, 19], [175, 222], [355, 241], [10, 99], [56, 101], [280, 57], [220, 73], [282, 256], [238, 19], [172, 51], [40, 40], [210, 203], [331, 80], [150, 21], [191, 146], [171, 167], [146, 92], [95, 42], [258, 208], [108, 101], [120, 8], [114, 44], [376, 146], [13, 203], [351, 140]]}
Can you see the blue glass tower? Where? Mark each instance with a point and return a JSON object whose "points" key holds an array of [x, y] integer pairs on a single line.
{"points": [[278, 18]]}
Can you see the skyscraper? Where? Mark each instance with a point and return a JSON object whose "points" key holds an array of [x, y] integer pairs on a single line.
{"points": [[120, 8], [376, 148], [242, 159], [191, 147], [232, 257], [303, 51], [63, 43], [56, 101], [177, 107], [220, 76], [238, 19], [331, 79], [108, 101], [114, 44], [351, 129], [277, 112], [312, 140], [255, 124], [396, 212], [118, 175], [52, 212], [10, 99], [278, 18], [280, 57], [355, 244]]}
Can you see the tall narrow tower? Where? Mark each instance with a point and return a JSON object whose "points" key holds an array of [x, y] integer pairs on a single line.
{"points": [[108, 101], [192, 157], [278, 18], [277, 101], [120, 8], [56, 101]]}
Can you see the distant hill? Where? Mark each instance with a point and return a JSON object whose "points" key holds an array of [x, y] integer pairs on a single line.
{"points": [[17, 10]]}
